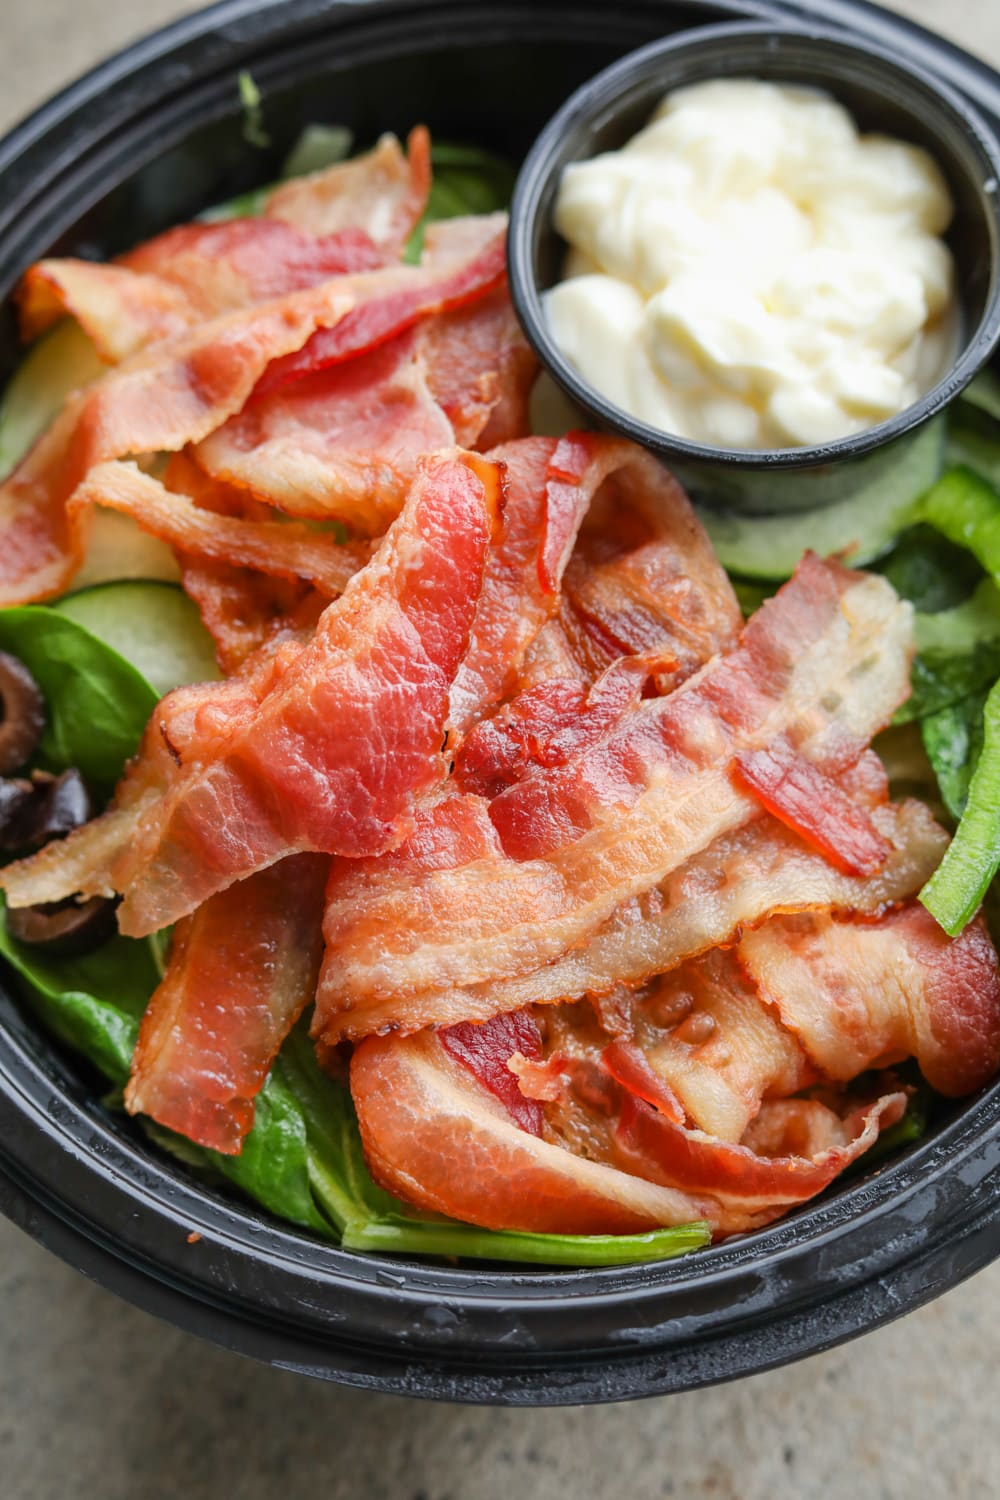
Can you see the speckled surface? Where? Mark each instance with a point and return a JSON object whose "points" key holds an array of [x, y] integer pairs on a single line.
{"points": [[99, 1400]]}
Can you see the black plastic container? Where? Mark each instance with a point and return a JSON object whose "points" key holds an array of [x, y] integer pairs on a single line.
{"points": [[146, 140], [885, 93]]}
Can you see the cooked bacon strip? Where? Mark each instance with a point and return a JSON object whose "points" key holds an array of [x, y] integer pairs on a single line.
{"points": [[800, 795], [198, 271], [838, 997], [641, 577], [893, 988], [382, 192], [737, 882], [287, 549], [296, 771], [176, 392], [341, 443], [421, 1114], [486, 1050], [242, 609], [480, 370], [563, 850], [436, 1137], [553, 485], [407, 295], [796, 1149], [242, 969]]}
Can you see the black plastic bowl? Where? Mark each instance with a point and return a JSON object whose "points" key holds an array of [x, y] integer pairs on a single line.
{"points": [[884, 92], [146, 140]]}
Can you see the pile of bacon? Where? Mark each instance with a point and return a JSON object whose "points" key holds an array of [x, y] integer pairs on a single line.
{"points": [[599, 892]]}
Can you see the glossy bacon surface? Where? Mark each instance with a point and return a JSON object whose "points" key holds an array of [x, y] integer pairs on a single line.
{"points": [[174, 393], [433, 1135], [241, 971], [285, 549], [420, 1113], [341, 443], [562, 851], [354, 216], [299, 773], [894, 987]]}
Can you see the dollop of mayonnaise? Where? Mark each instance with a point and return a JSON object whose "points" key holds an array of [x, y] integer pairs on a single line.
{"points": [[751, 272]]}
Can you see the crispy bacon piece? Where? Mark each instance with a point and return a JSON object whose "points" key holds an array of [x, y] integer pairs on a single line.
{"points": [[279, 759], [800, 795], [382, 192], [407, 295], [341, 443], [436, 1137], [562, 851], [421, 1115], [286, 549], [486, 1051], [545, 727], [640, 578], [687, 1085], [176, 392], [242, 609], [292, 768], [796, 1148], [737, 882], [480, 370], [354, 216], [553, 487], [242, 969], [896, 987], [182, 389]]}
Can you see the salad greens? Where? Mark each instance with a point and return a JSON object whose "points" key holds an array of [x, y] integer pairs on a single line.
{"points": [[98, 703]]}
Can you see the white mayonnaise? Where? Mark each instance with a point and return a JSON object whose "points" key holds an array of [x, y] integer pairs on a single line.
{"points": [[750, 272]]}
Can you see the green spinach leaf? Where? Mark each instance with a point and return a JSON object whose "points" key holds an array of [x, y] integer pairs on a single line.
{"points": [[97, 703], [95, 1003], [953, 739]]}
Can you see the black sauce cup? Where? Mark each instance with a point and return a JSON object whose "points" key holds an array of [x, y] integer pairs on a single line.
{"points": [[885, 94], [149, 139]]}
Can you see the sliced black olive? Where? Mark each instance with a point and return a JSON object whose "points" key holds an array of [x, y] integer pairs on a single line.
{"points": [[46, 807], [23, 713], [63, 926]]}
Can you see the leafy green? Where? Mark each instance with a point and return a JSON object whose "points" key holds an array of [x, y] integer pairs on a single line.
{"points": [[95, 1003], [934, 574], [97, 703], [965, 508], [254, 130], [958, 653], [406, 1237], [466, 180], [953, 739], [317, 147], [955, 890]]}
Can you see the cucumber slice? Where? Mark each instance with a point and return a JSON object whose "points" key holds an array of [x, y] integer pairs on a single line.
{"points": [[862, 527], [60, 362], [155, 626], [119, 549]]}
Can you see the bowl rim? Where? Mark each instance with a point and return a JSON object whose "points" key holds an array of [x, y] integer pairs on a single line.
{"points": [[598, 95], [75, 1179]]}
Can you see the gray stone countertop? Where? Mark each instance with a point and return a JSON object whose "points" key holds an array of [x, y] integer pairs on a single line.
{"points": [[100, 1402]]}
